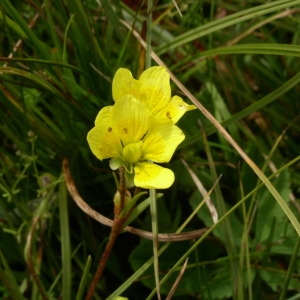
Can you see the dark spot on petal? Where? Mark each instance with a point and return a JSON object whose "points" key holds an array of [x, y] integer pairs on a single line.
{"points": [[168, 114], [125, 130], [109, 129], [144, 136]]}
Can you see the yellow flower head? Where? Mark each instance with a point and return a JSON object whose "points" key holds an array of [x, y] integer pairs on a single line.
{"points": [[153, 89], [128, 133]]}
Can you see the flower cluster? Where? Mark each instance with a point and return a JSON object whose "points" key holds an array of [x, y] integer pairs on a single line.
{"points": [[138, 130]]}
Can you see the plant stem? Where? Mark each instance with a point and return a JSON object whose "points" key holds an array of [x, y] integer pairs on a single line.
{"points": [[154, 222], [115, 231], [122, 190], [153, 207]]}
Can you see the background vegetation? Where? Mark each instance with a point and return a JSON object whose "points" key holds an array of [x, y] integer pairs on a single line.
{"points": [[239, 59]]}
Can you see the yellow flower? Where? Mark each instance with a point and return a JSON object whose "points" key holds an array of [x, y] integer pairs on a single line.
{"points": [[128, 133], [153, 89]]}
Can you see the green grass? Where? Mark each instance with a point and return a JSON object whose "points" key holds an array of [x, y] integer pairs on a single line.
{"points": [[238, 61]]}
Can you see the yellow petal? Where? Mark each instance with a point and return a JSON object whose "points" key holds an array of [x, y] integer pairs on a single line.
{"points": [[175, 109], [153, 87], [131, 118], [124, 84], [104, 115], [151, 176], [155, 90], [102, 139], [161, 142]]}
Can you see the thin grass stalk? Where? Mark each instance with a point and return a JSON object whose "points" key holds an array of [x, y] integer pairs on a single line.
{"points": [[292, 265], [65, 243], [244, 251], [177, 281], [84, 278], [149, 34], [154, 224]]}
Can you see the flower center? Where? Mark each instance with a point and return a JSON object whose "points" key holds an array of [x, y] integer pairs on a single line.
{"points": [[132, 152]]}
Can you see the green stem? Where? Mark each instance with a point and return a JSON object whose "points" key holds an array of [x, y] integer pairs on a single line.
{"points": [[154, 223], [153, 206]]}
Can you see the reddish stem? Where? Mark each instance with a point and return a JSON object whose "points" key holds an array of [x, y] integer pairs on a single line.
{"points": [[115, 231]]}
